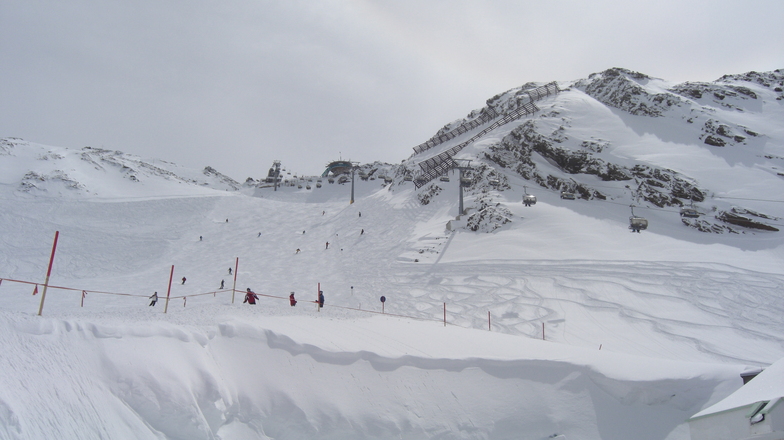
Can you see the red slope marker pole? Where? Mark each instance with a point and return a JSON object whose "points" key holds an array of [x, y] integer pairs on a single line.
{"points": [[318, 291], [488, 321], [48, 273], [444, 314], [168, 292]]}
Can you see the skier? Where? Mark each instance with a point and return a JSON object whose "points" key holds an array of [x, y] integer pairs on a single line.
{"points": [[297, 251], [327, 246], [292, 300], [362, 232], [250, 297], [360, 214], [229, 271], [200, 237], [183, 280], [221, 287], [154, 299], [321, 299], [258, 235]]}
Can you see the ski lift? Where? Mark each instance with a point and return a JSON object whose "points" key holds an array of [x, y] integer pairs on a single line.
{"points": [[566, 195], [307, 186], [637, 224], [444, 178], [299, 186], [318, 185], [465, 182], [408, 178], [331, 180], [689, 213], [342, 179], [494, 181], [528, 199]]}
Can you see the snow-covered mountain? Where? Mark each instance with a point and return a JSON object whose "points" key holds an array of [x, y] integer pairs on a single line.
{"points": [[627, 138], [61, 172], [550, 321]]}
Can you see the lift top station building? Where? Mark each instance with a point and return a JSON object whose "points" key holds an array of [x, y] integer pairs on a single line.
{"points": [[337, 167]]}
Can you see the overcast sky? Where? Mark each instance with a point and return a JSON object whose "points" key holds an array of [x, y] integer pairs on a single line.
{"points": [[238, 84]]}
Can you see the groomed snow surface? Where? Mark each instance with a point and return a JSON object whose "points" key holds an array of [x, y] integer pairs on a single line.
{"points": [[642, 330]]}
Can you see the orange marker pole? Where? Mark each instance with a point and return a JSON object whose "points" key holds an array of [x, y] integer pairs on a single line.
{"points": [[168, 292], [48, 273]]}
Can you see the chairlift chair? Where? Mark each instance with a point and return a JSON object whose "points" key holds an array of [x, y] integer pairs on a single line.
{"points": [[689, 213], [529, 200], [444, 178], [567, 195], [465, 182], [408, 178], [637, 224]]}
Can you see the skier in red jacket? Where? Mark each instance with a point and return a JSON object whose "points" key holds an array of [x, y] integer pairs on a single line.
{"points": [[250, 297], [292, 300]]}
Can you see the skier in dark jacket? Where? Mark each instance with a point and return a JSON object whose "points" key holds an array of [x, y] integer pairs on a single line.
{"points": [[250, 297], [321, 299], [292, 300]]}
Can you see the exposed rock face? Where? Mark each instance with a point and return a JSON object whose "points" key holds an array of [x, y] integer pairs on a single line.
{"points": [[489, 216], [34, 181], [620, 88], [658, 186], [665, 187], [212, 172], [715, 94], [427, 195]]}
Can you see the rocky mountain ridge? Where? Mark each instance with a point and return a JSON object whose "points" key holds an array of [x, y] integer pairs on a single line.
{"points": [[557, 151]]}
